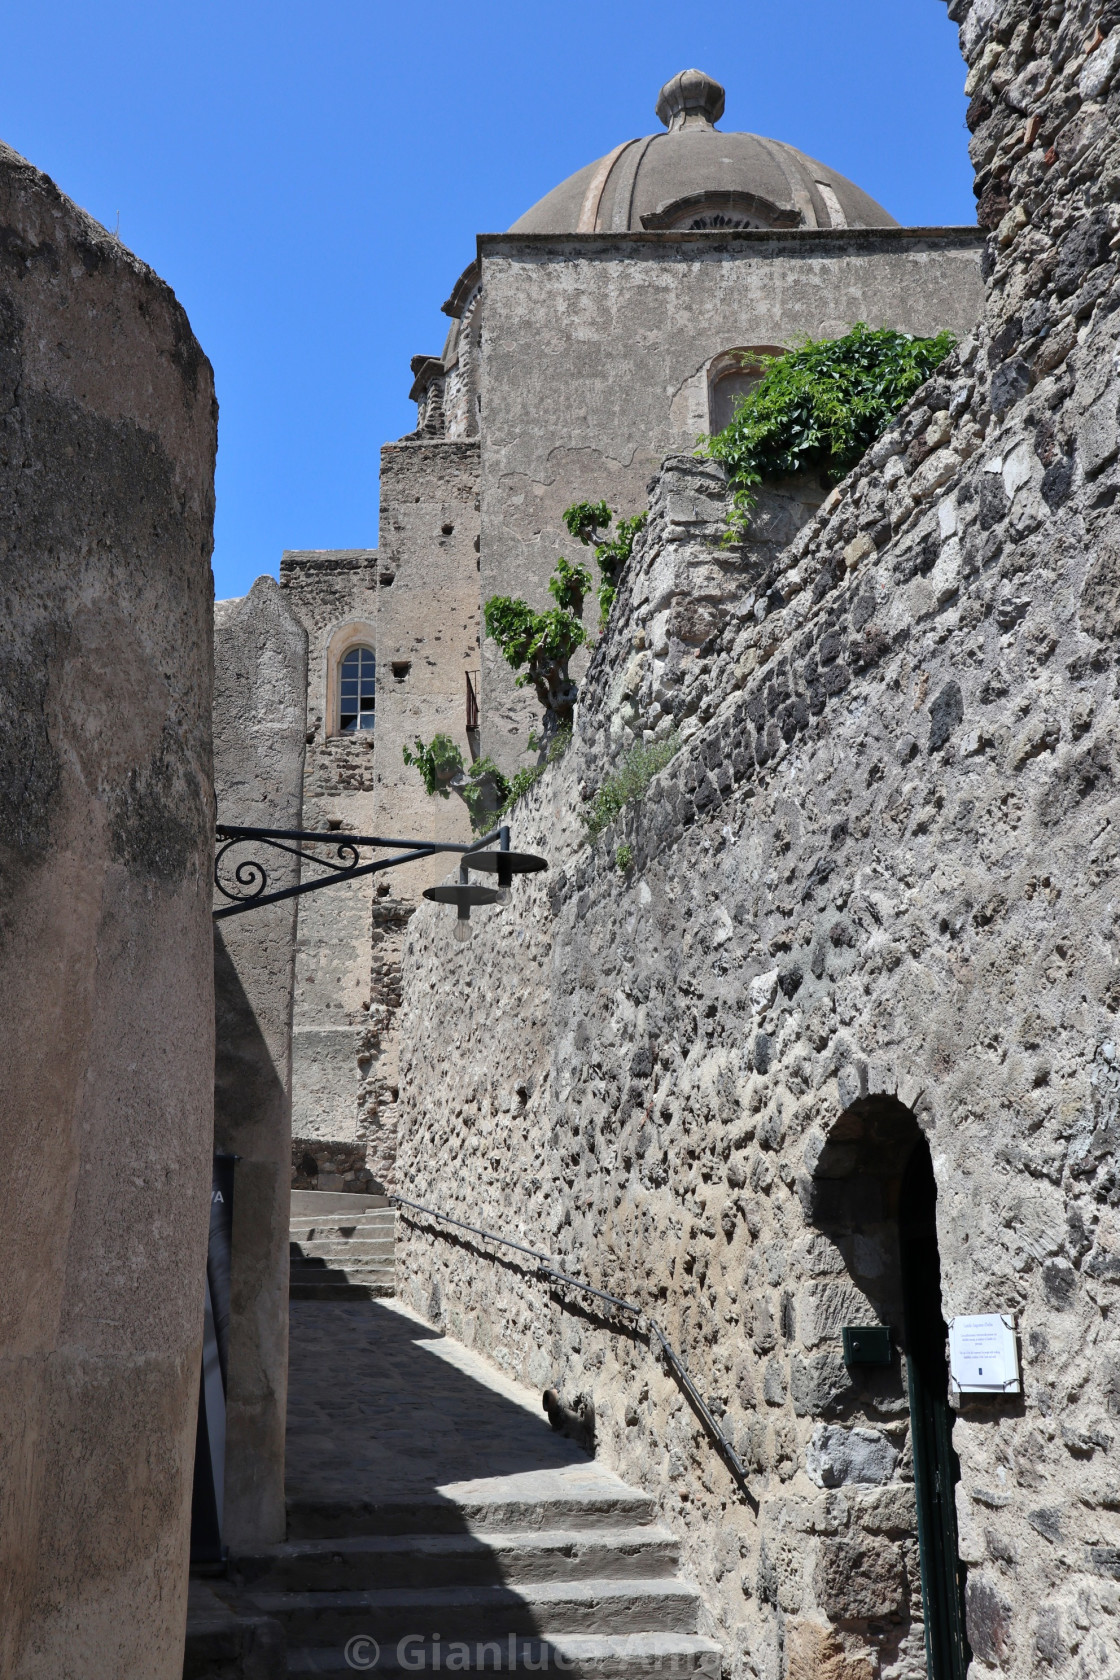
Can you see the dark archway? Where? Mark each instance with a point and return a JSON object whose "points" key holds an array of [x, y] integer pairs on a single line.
{"points": [[873, 1193], [936, 1470]]}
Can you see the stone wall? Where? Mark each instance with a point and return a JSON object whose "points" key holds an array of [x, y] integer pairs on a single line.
{"points": [[596, 359], [260, 690], [333, 594], [415, 600], [867, 909], [427, 642], [106, 950]]}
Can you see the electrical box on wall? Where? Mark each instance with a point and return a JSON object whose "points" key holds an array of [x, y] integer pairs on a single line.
{"points": [[983, 1356], [866, 1344]]}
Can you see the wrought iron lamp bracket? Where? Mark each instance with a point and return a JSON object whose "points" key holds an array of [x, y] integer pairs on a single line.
{"points": [[246, 883]]}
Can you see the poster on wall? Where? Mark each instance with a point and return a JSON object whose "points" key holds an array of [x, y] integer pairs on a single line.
{"points": [[983, 1357]]}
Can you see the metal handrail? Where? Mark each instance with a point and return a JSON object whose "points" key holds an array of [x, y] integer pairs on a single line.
{"points": [[547, 1269]]}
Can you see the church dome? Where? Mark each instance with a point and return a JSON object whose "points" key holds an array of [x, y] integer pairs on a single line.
{"points": [[695, 176]]}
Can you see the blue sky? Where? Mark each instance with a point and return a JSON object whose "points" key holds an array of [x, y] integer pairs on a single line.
{"points": [[310, 178]]}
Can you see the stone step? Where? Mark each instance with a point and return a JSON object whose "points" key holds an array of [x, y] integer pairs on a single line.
{"points": [[315, 1202], [311, 1269], [537, 1609], [583, 1657], [479, 1559], [377, 1218], [318, 1289], [220, 1640], [308, 1233], [365, 1247], [536, 1505]]}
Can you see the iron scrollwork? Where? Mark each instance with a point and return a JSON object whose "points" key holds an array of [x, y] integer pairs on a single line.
{"points": [[248, 878], [244, 880]]}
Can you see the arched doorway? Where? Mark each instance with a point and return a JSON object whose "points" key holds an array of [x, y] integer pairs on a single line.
{"points": [[874, 1196], [936, 1470]]}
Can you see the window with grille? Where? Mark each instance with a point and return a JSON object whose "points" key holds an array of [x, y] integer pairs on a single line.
{"points": [[356, 690]]}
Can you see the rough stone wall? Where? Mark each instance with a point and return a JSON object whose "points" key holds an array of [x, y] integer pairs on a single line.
{"points": [[686, 600], [418, 594], [595, 366], [872, 899], [260, 692], [107, 441], [330, 590], [427, 640]]}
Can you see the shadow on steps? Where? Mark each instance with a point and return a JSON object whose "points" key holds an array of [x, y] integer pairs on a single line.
{"points": [[436, 1522]]}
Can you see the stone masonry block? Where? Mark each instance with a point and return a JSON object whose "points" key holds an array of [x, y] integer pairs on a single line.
{"points": [[855, 1579]]}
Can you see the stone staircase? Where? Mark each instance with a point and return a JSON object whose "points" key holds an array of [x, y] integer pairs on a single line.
{"points": [[560, 1572], [341, 1246], [436, 1522]]}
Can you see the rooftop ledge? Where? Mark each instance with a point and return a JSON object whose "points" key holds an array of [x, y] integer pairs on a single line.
{"points": [[791, 240]]}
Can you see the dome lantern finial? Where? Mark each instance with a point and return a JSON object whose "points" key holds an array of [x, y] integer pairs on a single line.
{"points": [[690, 100]]}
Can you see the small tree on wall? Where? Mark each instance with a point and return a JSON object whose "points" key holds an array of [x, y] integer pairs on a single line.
{"points": [[587, 520], [539, 645]]}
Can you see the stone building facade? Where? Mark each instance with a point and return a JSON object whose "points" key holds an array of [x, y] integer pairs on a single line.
{"points": [[607, 328], [413, 604], [821, 1033]]}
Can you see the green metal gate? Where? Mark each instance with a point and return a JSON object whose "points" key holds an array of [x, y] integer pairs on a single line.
{"points": [[936, 1469]]}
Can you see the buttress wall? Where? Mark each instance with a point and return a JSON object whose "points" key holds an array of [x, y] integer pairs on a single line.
{"points": [[107, 443]]}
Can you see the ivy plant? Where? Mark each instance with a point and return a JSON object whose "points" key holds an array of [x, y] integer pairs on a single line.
{"points": [[587, 521], [437, 762], [482, 787], [818, 408]]}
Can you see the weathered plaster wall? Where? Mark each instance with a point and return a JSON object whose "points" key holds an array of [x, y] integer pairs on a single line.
{"points": [[333, 593], [416, 602], [595, 366], [427, 640], [260, 690], [874, 891], [106, 955], [427, 630]]}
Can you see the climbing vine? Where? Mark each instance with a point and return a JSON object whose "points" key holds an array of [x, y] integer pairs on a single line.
{"points": [[437, 762], [485, 790], [482, 787], [819, 407]]}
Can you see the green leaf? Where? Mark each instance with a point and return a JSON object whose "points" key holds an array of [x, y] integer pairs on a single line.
{"points": [[820, 407], [437, 762]]}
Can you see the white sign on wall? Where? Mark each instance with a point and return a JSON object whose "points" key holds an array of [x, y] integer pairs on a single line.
{"points": [[983, 1358]]}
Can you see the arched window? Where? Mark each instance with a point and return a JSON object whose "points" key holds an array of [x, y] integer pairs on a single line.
{"points": [[730, 376], [357, 674]]}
